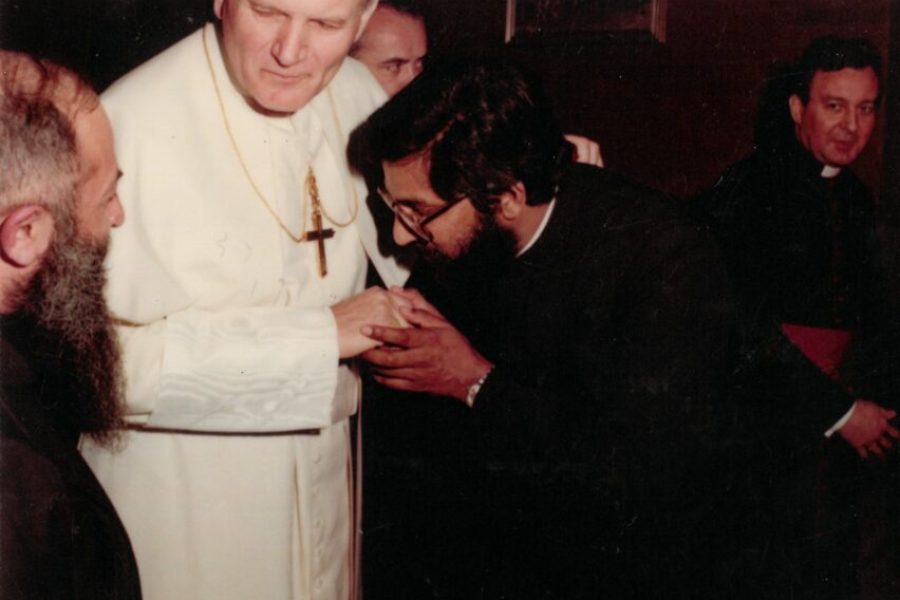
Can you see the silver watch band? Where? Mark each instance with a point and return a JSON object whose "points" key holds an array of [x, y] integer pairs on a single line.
{"points": [[476, 387]]}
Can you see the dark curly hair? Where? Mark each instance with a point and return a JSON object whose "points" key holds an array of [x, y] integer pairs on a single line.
{"points": [[485, 124]]}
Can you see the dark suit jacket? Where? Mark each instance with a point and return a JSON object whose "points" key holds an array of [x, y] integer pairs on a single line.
{"points": [[59, 534], [578, 472]]}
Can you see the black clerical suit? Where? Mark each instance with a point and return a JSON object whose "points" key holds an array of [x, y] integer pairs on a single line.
{"points": [[60, 537], [801, 250], [581, 471]]}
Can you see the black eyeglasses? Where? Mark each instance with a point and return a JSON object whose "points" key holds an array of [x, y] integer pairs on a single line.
{"points": [[413, 221]]}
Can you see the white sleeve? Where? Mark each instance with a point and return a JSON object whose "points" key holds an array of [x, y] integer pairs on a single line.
{"points": [[841, 422], [260, 369]]}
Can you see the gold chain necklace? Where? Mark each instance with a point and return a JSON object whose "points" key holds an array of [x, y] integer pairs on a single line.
{"points": [[310, 183]]}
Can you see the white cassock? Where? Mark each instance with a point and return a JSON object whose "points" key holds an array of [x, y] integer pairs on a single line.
{"points": [[229, 341]]}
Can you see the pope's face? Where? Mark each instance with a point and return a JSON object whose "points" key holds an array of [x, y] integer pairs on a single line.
{"points": [[837, 122], [281, 53]]}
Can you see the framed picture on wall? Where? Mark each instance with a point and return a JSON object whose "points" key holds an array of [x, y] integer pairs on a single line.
{"points": [[585, 20]]}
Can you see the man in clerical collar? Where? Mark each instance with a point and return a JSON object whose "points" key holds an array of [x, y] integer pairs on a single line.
{"points": [[797, 230], [61, 377], [565, 332], [394, 44]]}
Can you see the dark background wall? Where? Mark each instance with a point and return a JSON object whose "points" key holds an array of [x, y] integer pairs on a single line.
{"points": [[102, 39], [672, 115]]}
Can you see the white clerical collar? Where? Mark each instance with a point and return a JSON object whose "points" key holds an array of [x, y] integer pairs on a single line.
{"points": [[540, 229], [829, 172]]}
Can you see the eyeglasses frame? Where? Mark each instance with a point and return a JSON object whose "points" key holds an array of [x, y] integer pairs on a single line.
{"points": [[416, 227]]}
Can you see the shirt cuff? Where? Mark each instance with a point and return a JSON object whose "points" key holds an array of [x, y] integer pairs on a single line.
{"points": [[841, 422]]}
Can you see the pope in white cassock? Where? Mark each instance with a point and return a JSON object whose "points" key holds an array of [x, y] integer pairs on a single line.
{"points": [[238, 280]]}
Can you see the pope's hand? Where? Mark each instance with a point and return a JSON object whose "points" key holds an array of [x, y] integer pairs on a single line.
{"points": [[375, 306]]}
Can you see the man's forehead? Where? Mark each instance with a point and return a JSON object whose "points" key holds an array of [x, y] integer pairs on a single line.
{"points": [[419, 162], [400, 32], [408, 172], [314, 7], [846, 82], [94, 140], [388, 14]]}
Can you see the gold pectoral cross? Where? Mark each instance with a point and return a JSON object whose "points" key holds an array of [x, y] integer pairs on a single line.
{"points": [[317, 233]]}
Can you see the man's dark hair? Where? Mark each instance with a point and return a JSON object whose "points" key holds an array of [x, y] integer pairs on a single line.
{"points": [[833, 53], [828, 53], [485, 125]]}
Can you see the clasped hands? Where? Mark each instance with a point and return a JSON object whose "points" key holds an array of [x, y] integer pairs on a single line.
{"points": [[418, 349]]}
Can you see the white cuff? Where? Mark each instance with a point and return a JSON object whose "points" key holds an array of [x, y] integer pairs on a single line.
{"points": [[841, 422], [258, 370]]}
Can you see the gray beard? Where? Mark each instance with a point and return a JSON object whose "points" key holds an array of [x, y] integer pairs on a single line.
{"points": [[66, 300]]}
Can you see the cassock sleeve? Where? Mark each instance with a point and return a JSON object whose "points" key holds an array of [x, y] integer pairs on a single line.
{"points": [[245, 369], [738, 210]]}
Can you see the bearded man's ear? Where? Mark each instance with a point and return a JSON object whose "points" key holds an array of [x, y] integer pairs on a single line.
{"points": [[25, 235]]}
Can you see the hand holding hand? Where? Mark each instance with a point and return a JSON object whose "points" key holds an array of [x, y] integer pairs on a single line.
{"points": [[868, 430], [432, 356], [373, 306]]}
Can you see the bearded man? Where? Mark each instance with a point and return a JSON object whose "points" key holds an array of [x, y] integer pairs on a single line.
{"points": [[60, 536], [563, 362]]}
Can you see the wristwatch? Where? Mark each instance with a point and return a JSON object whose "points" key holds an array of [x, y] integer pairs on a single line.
{"points": [[476, 387]]}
